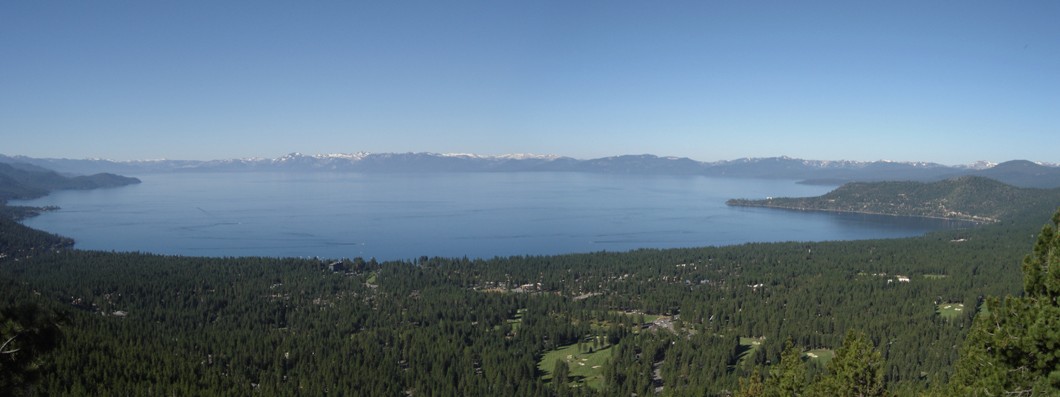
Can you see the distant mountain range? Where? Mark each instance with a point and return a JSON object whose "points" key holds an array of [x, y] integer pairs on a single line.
{"points": [[1018, 172]]}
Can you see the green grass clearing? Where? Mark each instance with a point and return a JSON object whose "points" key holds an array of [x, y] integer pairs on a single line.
{"points": [[748, 346], [516, 321], [950, 311], [822, 356], [586, 369], [935, 276]]}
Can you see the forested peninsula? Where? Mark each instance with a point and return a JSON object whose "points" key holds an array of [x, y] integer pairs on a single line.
{"points": [[904, 317], [19, 181], [967, 198]]}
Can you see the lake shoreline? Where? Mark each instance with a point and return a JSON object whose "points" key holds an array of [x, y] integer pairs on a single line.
{"points": [[755, 204], [337, 215]]}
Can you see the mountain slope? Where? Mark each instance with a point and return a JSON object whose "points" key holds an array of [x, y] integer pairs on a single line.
{"points": [[1023, 173]]}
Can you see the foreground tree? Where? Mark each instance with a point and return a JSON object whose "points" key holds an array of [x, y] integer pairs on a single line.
{"points": [[26, 333], [751, 386], [856, 370], [788, 379], [1013, 348]]}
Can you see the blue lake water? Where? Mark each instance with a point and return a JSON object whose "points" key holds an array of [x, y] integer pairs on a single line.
{"points": [[403, 216]]}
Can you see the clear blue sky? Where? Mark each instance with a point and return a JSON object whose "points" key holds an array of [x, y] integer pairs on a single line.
{"points": [[944, 81]]}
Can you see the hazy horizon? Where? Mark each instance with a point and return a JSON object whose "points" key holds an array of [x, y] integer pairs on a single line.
{"points": [[516, 155]]}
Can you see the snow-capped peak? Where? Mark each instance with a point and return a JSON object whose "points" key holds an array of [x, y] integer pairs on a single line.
{"points": [[346, 156], [981, 165], [528, 156], [510, 156]]}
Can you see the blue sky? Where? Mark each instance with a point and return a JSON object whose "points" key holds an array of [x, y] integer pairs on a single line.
{"points": [[944, 81]]}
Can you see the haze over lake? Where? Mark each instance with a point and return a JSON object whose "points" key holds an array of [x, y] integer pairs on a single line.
{"points": [[402, 216]]}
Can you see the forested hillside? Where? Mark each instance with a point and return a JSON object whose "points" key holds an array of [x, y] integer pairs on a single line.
{"points": [[24, 181], [1012, 349], [676, 322], [968, 198]]}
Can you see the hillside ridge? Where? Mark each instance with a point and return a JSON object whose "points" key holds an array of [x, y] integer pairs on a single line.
{"points": [[965, 198]]}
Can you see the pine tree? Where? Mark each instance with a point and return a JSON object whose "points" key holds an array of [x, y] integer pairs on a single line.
{"points": [[1014, 346], [788, 379], [856, 371], [751, 386], [560, 373], [26, 333]]}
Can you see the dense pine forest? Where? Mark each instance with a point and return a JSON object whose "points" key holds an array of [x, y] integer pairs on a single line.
{"points": [[914, 316]]}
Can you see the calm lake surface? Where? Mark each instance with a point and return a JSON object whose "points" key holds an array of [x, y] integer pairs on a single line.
{"points": [[403, 216]]}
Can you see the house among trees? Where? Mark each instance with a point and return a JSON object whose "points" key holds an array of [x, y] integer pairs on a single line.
{"points": [[337, 266]]}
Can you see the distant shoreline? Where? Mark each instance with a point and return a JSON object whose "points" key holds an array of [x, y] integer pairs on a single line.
{"points": [[760, 204], [19, 213]]}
